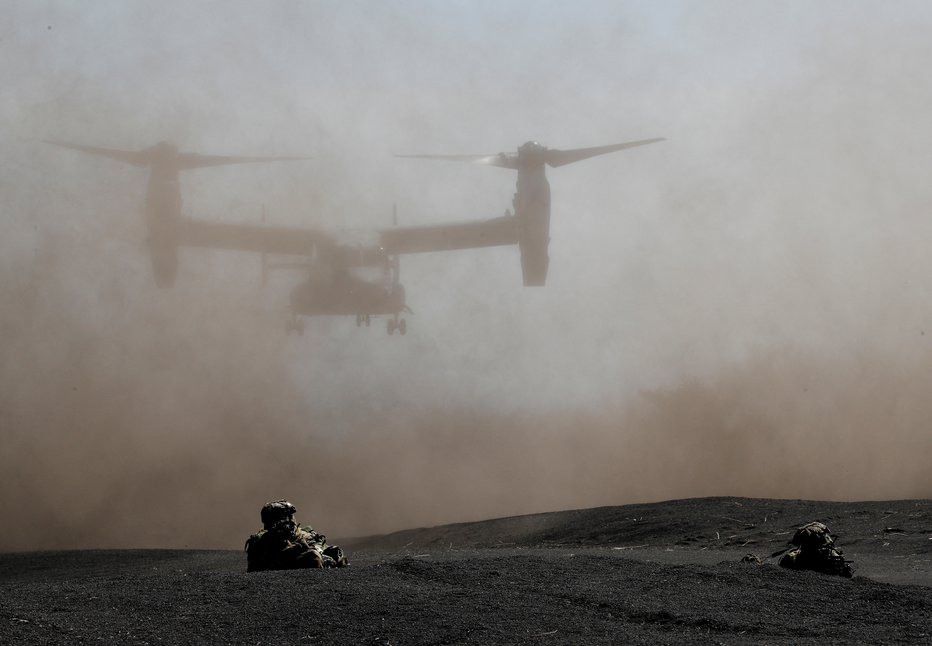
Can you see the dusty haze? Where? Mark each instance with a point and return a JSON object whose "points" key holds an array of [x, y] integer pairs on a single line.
{"points": [[743, 309]]}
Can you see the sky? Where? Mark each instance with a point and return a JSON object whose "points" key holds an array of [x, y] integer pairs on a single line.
{"points": [[763, 267]]}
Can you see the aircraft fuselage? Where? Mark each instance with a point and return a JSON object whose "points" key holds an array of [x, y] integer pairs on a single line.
{"points": [[345, 297]]}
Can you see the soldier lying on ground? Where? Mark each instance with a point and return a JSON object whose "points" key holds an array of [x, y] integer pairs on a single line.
{"points": [[284, 545], [814, 549]]}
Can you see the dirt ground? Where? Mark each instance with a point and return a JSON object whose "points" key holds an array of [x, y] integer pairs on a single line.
{"points": [[665, 573]]}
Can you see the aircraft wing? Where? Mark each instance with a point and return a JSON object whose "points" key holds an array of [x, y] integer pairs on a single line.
{"points": [[302, 242], [445, 237], [247, 237]]}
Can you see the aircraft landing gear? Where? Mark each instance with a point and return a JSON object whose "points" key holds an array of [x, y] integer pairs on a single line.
{"points": [[395, 323], [294, 324], [362, 318]]}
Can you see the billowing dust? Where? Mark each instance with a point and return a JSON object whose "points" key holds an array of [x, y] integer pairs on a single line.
{"points": [[741, 310], [160, 437]]}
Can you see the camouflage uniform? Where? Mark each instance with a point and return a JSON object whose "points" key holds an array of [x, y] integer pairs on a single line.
{"points": [[284, 545], [815, 550]]}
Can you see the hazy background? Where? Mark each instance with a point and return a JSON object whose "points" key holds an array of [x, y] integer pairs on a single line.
{"points": [[743, 309]]}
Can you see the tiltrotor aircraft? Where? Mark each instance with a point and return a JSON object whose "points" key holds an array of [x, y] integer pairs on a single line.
{"points": [[334, 285]]}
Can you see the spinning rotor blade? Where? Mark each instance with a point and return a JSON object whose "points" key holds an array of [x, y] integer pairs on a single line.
{"points": [[504, 160], [186, 161], [562, 157], [166, 155], [136, 158], [532, 154]]}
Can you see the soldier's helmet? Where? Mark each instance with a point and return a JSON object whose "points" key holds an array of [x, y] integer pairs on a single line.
{"points": [[276, 511], [813, 536]]}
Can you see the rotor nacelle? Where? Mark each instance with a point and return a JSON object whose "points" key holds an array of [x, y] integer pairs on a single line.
{"points": [[163, 195], [532, 194]]}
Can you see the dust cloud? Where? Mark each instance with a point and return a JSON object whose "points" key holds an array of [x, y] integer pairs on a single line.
{"points": [[743, 309]]}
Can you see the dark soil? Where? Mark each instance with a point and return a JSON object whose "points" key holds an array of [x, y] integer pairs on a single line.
{"points": [[666, 573]]}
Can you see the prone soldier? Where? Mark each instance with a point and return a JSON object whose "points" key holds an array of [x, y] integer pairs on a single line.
{"points": [[814, 549], [282, 544]]}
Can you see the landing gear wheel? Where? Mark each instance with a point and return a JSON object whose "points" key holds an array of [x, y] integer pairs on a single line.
{"points": [[391, 326], [402, 326], [358, 320], [367, 320]]}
